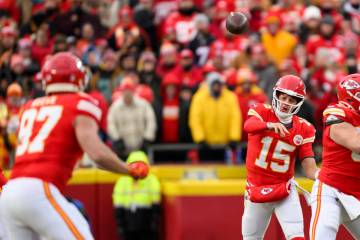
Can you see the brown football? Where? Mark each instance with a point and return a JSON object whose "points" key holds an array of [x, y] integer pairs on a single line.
{"points": [[236, 23]]}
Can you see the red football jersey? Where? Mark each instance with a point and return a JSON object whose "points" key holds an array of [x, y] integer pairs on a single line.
{"points": [[340, 166], [48, 148], [270, 158]]}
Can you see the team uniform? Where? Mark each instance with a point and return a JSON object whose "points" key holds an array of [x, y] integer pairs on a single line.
{"points": [[48, 150], [336, 193], [270, 160]]}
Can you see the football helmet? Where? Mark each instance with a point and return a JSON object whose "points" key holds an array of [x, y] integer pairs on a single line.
{"points": [[292, 86], [349, 90], [63, 72]]}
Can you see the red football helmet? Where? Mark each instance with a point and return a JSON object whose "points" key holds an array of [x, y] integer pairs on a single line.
{"points": [[349, 90], [293, 86], [63, 72]]}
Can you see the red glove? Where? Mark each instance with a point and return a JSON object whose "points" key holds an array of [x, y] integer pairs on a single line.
{"points": [[138, 169]]}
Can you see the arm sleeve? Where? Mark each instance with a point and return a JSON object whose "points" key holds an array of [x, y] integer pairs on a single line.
{"points": [[195, 119], [255, 122], [254, 125]]}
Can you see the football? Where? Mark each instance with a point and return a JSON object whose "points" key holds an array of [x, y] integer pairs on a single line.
{"points": [[236, 23]]}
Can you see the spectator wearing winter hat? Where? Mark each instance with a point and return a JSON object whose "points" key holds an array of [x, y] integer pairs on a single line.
{"points": [[131, 121], [200, 45], [215, 117], [309, 27]]}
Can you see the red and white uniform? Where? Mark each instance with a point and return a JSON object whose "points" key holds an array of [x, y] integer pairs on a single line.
{"points": [[331, 50], [48, 148], [271, 158], [336, 193], [340, 166], [183, 26], [45, 158]]}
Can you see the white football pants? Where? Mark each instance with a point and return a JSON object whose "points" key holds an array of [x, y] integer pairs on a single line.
{"points": [[327, 213], [288, 211], [30, 206]]}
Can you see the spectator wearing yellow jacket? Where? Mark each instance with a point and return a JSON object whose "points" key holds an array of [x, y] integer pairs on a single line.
{"points": [[215, 118], [278, 43]]}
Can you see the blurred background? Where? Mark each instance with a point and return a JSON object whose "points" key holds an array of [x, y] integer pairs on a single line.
{"points": [[175, 84]]}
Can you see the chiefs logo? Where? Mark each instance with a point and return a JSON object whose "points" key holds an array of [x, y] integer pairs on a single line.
{"points": [[298, 139], [266, 191], [350, 84]]}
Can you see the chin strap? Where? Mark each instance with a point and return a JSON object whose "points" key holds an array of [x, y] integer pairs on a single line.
{"points": [[283, 119]]}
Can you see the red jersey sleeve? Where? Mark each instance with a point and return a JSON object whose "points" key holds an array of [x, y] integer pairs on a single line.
{"points": [[305, 149], [334, 114], [256, 118], [89, 106]]}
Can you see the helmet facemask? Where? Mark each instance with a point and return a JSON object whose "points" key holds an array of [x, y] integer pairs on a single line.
{"points": [[277, 104]]}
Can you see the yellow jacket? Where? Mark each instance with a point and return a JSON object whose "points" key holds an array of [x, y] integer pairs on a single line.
{"points": [[280, 46], [217, 121]]}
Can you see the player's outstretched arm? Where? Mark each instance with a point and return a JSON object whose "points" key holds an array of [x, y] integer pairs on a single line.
{"points": [[86, 131], [310, 167], [346, 135]]}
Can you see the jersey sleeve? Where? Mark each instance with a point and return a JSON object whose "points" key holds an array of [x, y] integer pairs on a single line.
{"points": [[89, 107], [256, 120], [333, 114], [306, 149]]}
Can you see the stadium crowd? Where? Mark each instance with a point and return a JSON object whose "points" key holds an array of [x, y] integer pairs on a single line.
{"points": [[167, 71]]}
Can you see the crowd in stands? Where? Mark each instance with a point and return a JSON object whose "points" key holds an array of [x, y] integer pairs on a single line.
{"points": [[167, 71]]}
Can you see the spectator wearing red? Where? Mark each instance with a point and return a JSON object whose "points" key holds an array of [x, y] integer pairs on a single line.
{"points": [[168, 59], [327, 47], [41, 47], [288, 10], [221, 10], [247, 92], [171, 109], [331, 8], [187, 73], [127, 34], [10, 8], [182, 22]]}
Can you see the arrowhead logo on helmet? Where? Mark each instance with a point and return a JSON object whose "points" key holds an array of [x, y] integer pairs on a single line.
{"points": [[349, 91]]}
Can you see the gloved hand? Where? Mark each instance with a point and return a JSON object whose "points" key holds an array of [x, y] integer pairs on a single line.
{"points": [[233, 145], [138, 170]]}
